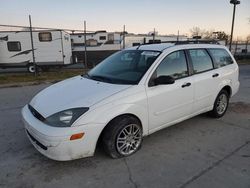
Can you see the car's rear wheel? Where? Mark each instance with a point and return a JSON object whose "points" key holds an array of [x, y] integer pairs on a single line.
{"points": [[122, 137], [220, 104]]}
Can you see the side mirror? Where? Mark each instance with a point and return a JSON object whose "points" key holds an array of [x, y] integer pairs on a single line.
{"points": [[164, 80]]}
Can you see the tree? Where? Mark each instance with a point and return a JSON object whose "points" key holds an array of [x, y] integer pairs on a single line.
{"points": [[209, 34], [196, 31], [248, 38], [221, 35], [203, 33]]}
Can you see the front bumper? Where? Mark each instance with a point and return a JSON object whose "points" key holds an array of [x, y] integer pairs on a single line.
{"points": [[55, 143]]}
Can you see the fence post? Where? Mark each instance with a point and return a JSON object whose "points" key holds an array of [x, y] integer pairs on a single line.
{"points": [[178, 36], [154, 36], [124, 37], [85, 47], [32, 46], [236, 46]]}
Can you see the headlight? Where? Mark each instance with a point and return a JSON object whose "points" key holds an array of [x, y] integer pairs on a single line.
{"points": [[65, 118]]}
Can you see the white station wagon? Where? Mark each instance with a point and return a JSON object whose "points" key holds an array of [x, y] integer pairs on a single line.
{"points": [[131, 94]]}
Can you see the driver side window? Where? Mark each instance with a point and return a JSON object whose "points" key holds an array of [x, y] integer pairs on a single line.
{"points": [[174, 65]]}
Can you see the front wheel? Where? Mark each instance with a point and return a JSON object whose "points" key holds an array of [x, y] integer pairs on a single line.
{"points": [[220, 104], [122, 137]]}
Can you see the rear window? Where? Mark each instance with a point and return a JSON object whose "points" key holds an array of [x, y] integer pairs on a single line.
{"points": [[14, 46], [221, 57]]}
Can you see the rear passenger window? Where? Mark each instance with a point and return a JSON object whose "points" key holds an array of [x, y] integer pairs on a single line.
{"points": [[221, 57], [173, 65], [201, 60]]}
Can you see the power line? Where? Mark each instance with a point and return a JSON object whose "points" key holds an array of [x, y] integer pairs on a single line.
{"points": [[21, 26]]}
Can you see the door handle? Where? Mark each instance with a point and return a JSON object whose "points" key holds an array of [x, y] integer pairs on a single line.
{"points": [[186, 85], [215, 75]]}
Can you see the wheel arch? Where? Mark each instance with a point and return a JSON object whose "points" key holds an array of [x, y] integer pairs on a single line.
{"points": [[114, 118], [228, 89]]}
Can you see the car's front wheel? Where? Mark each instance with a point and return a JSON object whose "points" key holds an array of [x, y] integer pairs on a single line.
{"points": [[220, 104], [122, 137]]}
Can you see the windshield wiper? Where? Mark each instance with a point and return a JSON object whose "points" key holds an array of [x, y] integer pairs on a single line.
{"points": [[85, 75], [101, 78]]}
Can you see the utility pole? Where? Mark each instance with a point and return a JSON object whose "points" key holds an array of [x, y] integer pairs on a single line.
{"points": [[234, 2], [32, 47], [124, 36], [85, 47]]}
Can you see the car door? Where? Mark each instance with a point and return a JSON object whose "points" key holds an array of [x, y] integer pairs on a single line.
{"points": [[172, 102], [205, 79]]}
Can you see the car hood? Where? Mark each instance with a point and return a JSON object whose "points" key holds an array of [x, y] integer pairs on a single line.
{"points": [[72, 93]]}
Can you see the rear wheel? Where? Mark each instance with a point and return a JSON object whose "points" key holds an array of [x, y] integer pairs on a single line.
{"points": [[122, 137], [31, 68], [220, 104]]}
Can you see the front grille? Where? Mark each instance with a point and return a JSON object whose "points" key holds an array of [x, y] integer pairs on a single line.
{"points": [[36, 113], [36, 141]]}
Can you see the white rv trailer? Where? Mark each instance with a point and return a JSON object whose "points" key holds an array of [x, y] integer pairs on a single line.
{"points": [[101, 44], [51, 48], [138, 39], [97, 41]]}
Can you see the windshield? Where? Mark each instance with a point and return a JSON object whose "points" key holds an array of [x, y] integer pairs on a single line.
{"points": [[124, 67]]}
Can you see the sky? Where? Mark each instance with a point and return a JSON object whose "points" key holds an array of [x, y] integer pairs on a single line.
{"points": [[139, 16]]}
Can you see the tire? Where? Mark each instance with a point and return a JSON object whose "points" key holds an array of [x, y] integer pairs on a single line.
{"points": [[31, 68], [122, 136], [220, 104]]}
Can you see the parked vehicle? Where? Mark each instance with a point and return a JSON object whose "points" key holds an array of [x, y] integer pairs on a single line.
{"points": [[101, 44], [131, 94], [51, 48]]}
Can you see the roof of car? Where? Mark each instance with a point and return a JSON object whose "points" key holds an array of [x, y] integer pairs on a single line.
{"points": [[163, 46]]}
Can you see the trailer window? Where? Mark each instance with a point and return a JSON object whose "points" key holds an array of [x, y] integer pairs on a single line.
{"points": [[102, 37], [14, 46], [45, 36]]}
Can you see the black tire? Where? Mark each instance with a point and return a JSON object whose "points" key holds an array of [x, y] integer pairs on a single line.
{"points": [[216, 113], [31, 68], [114, 130]]}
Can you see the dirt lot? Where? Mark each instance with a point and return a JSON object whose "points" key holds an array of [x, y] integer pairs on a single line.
{"points": [[200, 152]]}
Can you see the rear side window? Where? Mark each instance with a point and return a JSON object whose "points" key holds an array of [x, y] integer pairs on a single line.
{"points": [[14, 46], [174, 65], [221, 57], [45, 36], [201, 60]]}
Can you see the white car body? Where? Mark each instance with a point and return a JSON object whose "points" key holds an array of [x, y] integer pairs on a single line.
{"points": [[156, 107]]}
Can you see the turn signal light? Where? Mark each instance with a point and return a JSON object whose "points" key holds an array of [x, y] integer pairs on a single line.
{"points": [[76, 136]]}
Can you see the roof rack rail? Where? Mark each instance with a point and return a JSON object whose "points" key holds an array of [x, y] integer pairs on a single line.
{"points": [[195, 41], [147, 43]]}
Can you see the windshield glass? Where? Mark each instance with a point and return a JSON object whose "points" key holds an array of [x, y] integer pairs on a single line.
{"points": [[124, 67]]}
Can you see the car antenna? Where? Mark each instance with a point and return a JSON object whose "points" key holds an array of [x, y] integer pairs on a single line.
{"points": [[138, 47]]}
